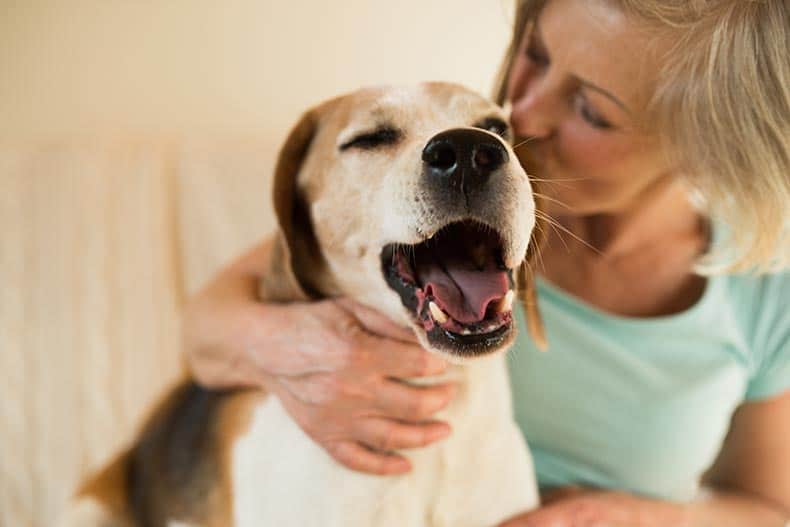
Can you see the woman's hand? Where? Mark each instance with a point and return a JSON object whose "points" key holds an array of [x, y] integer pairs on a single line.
{"points": [[578, 507], [339, 381], [334, 364]]}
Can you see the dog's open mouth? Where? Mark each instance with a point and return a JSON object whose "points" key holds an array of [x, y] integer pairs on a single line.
{"points": [[456, 286]]}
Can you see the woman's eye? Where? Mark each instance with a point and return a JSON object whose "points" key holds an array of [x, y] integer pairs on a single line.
{"points": [[589, 114], [537, 56], [376, 138]]}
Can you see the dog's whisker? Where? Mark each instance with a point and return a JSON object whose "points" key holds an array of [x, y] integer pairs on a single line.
{"points": [[550, 199], [523, 142], [561, 184], [547, 218], [559, 236], [543, 180], [539, 263], [556, 225]]}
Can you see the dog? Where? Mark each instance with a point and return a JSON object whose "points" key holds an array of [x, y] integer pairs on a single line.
{"points": [[411, 201]]}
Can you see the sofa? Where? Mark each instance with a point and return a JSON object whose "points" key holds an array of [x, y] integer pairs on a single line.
{"points": [[103, 240]]}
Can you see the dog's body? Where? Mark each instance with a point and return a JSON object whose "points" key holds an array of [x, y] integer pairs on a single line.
{"points": [[480, 475], [359, 178]]}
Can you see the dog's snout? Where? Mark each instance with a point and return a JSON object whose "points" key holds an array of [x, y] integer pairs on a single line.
{"points": [[463, 158]]}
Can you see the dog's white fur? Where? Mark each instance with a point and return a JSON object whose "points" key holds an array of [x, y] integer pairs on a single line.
{"points": [[445, 488], [482, 473]]}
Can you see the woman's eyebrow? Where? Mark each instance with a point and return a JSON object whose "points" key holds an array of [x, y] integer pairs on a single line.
{"points": [[603, 92]]}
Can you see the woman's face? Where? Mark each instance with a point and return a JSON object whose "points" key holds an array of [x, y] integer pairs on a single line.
{"points": [[578, 87]]}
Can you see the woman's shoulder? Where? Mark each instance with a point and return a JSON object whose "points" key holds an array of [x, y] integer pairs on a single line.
{"points": [[761, 305], [764, 292]]}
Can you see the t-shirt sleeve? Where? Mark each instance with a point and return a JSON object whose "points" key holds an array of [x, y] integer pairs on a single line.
{"points": [[770, 343]]}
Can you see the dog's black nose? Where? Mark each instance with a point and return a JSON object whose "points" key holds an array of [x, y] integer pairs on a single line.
{"points": [[463, 158]]}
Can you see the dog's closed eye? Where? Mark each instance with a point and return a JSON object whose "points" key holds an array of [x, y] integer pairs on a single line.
{"points": [[495, 125], [383, 136]]}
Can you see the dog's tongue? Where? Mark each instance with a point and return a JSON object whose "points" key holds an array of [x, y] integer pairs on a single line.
{"points": [[461, 289]]}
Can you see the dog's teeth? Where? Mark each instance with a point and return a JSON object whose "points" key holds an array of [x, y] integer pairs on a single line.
{"points": [[438, 314], [466, 331], [506, 304]]}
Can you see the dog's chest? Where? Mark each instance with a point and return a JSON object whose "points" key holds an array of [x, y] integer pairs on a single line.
{"points": [[281, 477], [477, 477]]}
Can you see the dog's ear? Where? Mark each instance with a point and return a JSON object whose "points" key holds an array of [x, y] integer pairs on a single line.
{"points": [[526, 277], [294, 253]]}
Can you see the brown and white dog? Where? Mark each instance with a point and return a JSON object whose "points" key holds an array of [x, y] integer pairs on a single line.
{"points": [[409, 200]]}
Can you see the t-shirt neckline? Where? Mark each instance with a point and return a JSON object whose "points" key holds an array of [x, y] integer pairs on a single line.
{"points": [[551, 291]]}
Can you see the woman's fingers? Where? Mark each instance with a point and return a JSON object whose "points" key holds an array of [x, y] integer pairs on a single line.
{"points": [[368, 341], [375, 322], [561, 493], [385, 434], [340, 386], [404, 402], [398, 359], [357, 457]]}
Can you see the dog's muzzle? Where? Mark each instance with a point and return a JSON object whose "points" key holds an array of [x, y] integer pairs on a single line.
{"points": [[454, 282]]}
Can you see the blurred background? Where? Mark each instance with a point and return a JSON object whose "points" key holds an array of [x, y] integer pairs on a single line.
{"points": [[136, 143]]}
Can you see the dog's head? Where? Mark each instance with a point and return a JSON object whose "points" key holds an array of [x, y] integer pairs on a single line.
{"points": [[411, 201]]}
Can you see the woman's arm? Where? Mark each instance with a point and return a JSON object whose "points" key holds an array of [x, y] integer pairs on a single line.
{"points": [[750, 485], [334, 364], [752, 472], [221, 323]]}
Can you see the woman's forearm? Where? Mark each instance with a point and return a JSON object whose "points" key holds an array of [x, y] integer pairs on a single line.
{"points": [[722, 508], [225, 319], [218, 354]]}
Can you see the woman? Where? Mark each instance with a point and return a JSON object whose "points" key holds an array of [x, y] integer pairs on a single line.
{"points": [[661, 134]]}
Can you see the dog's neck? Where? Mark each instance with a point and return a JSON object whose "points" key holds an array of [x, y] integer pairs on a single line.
{"points": [[482, 386], [482, 383], [467, 372]]}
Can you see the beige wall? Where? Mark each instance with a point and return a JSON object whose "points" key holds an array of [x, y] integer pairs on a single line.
{"points": [[136, 140], [235, 66]]}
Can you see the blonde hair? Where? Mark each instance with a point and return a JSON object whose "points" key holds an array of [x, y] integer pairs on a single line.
{"points": [[721, 107]]}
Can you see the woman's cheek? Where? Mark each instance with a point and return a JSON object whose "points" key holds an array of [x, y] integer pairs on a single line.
{"points": [[599, 166], [587, 153]]}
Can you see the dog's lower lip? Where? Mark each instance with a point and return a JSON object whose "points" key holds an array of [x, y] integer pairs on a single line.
{"points": [[469, 345], [491, 334]]}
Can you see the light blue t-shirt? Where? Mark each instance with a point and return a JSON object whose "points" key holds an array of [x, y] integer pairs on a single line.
{"points": [[643, 405]]}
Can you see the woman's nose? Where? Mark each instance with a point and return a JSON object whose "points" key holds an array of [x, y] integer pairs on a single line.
{"points": [[536, 111]]}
